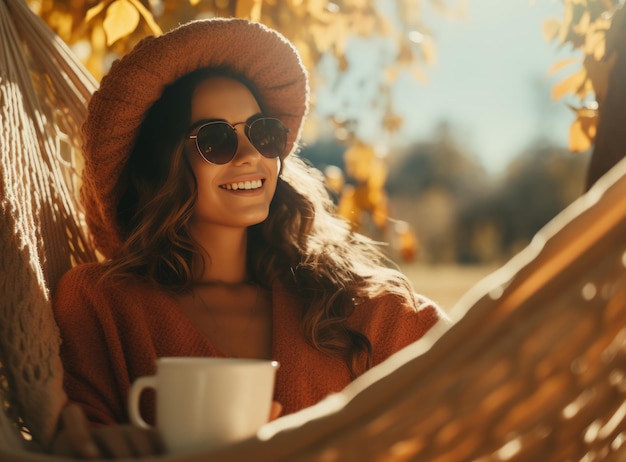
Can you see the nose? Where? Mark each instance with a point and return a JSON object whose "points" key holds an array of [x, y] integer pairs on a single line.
{"points": [[246, 152]]}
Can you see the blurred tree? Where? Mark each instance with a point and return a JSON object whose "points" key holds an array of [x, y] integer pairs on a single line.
{"points": [[462, 214], [441, 162], [430, 185], [540, 182]]}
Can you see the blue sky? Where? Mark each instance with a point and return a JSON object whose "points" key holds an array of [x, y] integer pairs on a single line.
{"points": [[490, 81]]}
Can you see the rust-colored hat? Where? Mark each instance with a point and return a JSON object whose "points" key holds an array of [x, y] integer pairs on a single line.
{"points": [[117, 109]]}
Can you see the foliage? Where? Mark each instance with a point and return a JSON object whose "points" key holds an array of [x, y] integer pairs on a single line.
{"points": [[102, 31], [591, 27]]}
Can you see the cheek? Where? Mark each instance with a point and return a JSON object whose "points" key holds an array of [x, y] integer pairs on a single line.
{"points": [[274, 167], [205, 177]]}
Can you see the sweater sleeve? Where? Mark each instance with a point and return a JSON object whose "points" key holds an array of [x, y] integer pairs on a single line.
{"points": [[88, 376], [390, 323]]}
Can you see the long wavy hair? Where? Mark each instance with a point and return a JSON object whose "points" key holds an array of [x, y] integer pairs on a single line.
{"points": [[302, 244]]}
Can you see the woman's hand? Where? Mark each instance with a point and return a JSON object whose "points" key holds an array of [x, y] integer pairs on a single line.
{"points": [[77, 439], [275, 410]]}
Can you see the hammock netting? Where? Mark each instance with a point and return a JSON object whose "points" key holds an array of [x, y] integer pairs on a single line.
{"points": [[532, 369], [43, 97]]}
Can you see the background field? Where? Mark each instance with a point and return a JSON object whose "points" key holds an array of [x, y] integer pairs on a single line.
{"points": [[445, 284]]}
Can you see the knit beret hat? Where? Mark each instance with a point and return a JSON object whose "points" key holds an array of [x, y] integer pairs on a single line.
{"points": [[135, 82]]}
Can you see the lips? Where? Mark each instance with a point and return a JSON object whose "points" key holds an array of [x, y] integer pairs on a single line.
{"points": [[247, 185]]}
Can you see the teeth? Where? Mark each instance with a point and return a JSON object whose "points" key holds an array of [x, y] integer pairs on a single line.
{"points": [[254, 184]]}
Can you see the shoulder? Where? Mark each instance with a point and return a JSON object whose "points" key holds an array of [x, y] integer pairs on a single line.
{"points": [[390, 305], [84, 286], [86, 273], [79, 280], [392, 321]]}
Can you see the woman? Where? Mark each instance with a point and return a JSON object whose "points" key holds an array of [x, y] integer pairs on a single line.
{"points": [[218, 240]]}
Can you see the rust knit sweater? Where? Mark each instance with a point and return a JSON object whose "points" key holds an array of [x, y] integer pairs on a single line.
{"points": [[113, 333]]}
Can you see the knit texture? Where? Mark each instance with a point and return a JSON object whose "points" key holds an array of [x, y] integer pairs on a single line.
{"points": [[134, 83], [43, 91], [129, 325]]}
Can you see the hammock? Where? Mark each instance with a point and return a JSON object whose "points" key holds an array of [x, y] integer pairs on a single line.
{"points": [[533, 368]]}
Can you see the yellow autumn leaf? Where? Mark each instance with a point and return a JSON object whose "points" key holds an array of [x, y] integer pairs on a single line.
{"points": [[147, 17], [392, 121], [570, 84], [429, 50], [362, 198], [121, 20], [343, 63], [595, 44], [583, 23], [380, 215], [589, 111], [334, 178], [347, 208], [98, 40], [94, 11], [61, 23], [405, 53], [580, 140], [317, 8], [358, 161], [563, 63], [565, 26], [551, 28], [249, 9], [378, 174], [391, 74], [407, 241], [321, 38], [418, 74], [378, 206]]}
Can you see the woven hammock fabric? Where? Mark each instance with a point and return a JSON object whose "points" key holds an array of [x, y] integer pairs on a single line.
{"points": [[534, 368], [43, 97]]}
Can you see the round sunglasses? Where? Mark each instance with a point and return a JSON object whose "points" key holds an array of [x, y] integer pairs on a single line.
{"points": [[217, 140]]}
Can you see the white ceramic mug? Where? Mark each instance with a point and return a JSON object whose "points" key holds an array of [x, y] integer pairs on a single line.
{"points": [[203, 403]]}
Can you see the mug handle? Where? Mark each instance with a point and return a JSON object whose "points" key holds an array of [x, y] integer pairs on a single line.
{"points": [[133, 400]]}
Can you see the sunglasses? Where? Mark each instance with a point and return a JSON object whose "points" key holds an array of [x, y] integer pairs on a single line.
{"points": [[217, 140]]}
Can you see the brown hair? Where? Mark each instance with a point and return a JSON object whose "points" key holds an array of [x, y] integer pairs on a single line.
{"points": [[301, 244]]}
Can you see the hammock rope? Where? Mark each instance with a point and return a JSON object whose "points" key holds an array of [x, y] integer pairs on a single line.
{"points": [[43, 96]]}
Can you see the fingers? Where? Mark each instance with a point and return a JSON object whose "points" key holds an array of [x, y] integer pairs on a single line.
{"points": [[275, 410], [125, 441], [144, 442], [75, 438], [112, 442], [78, 439]]}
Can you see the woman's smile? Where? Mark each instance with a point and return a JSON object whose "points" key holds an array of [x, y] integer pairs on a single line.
{"points": [[243, 185]]}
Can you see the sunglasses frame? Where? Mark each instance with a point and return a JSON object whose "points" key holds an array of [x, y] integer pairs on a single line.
{"points": [[247, 127]]}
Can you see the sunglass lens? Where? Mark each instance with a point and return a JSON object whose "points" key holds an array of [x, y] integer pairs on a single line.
{"points": [[217, 142], [269, 137]]}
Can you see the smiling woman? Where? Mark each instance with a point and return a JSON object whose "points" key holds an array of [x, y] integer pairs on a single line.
{"points": [[219, 241]]}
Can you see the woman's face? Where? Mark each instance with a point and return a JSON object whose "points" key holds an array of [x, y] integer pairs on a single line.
{"points": [[221, 200]]}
